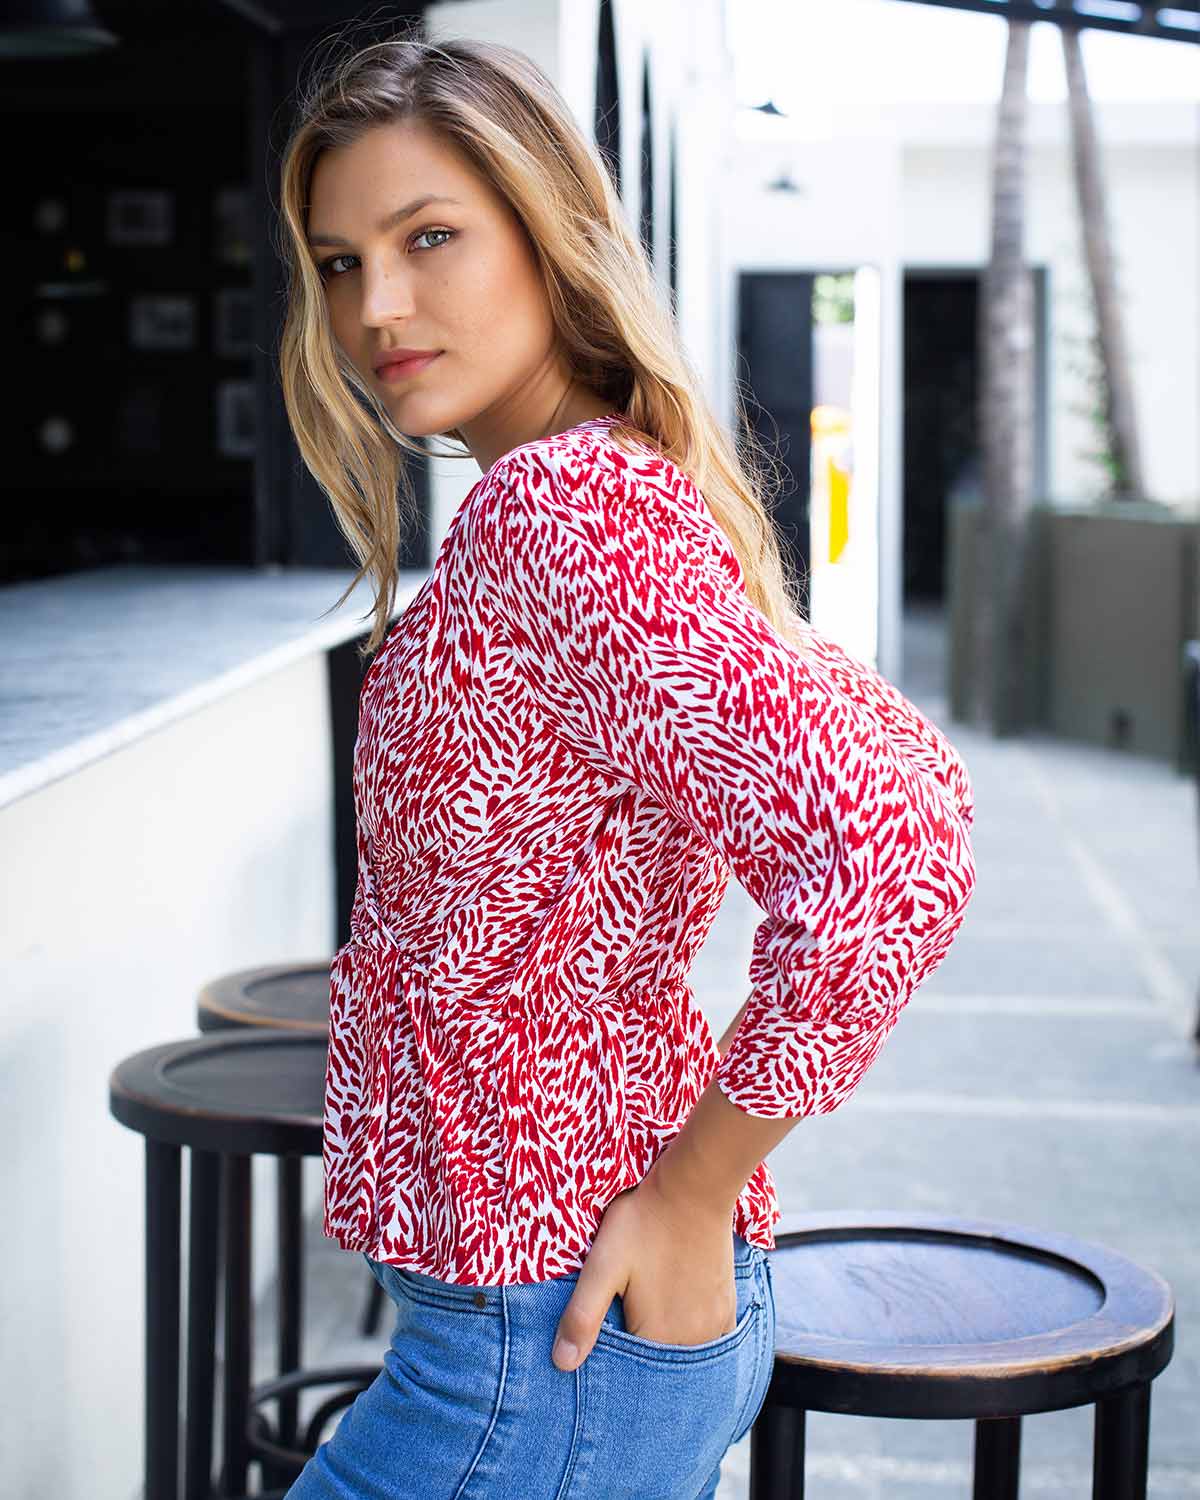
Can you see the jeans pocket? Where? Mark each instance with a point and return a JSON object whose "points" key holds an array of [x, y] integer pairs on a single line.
{"points": [[619, 1339]]}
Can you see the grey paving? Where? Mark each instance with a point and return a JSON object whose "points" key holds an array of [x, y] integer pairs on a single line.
{"points": [[1043, 1075]]}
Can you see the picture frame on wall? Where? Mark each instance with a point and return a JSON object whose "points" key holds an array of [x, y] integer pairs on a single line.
{"points": [[158, 321], [233, 323], [140, 217], [236, 426], [231, 226]]}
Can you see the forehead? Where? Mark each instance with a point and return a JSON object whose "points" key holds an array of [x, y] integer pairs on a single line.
{"points": [[388, 165]]}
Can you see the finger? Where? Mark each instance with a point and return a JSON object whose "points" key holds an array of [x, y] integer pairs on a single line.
{"points": [[584, 1313]]}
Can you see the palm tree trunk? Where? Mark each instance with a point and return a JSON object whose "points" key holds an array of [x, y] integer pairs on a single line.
{"points": [[999, 629], [1097, 243]]}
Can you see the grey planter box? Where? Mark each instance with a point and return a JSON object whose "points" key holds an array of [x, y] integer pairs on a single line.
{"points": [[1112, 599]]}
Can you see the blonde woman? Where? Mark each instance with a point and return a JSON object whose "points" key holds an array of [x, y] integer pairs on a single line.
{"points": [[602, 701]]}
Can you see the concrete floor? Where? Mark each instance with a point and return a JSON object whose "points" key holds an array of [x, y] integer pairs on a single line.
{"points": [[1044, 1075]]}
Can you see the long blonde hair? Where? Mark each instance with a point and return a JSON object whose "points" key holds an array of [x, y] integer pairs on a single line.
{"points": [[620, 341]]}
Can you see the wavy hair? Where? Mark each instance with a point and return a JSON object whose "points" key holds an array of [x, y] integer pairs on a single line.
{"points": [[619, 339]]}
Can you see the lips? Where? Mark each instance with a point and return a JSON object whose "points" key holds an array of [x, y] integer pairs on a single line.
{"points": [[395, 369]]}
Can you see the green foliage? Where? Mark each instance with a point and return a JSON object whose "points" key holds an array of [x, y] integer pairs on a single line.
{"points": [[833, 297], [1088, 365]]}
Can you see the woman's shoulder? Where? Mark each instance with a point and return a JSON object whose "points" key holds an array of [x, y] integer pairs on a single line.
{"points": [[603, 467], [594, 505]]}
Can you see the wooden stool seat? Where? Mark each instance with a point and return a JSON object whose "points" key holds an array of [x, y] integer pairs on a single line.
{"points": [[243, 1091], [919, 1315], [289, 997]]}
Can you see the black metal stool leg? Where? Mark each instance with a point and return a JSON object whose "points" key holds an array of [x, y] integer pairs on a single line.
{"points": [[997, 1458], [236, 1183], [163, 1273], [777, 1454], [289, 1237], [1121, 1450], [204, 1204]]}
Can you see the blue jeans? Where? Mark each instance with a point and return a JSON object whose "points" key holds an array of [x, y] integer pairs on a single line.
{"points": [[470, 1406]]}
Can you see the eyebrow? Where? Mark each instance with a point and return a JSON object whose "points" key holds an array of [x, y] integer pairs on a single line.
{"points": [[389, 221]]}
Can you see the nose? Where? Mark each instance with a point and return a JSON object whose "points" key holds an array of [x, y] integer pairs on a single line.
{"points": [[386, 293]]}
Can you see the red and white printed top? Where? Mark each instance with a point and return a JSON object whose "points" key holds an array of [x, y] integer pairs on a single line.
{"points": [[574, 733]]}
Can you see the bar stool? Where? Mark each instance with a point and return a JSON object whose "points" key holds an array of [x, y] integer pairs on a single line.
{"points": [[289, 997], [226, 1096], [917, 1315]]}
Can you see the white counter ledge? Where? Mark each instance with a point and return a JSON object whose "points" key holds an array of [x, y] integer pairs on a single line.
{"points": [[94, 660]]}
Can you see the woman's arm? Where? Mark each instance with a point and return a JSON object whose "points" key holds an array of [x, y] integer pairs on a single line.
{"points": [[710, 1161]]}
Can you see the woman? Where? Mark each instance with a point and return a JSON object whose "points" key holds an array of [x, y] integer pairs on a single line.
{"points": [[602, 700]]}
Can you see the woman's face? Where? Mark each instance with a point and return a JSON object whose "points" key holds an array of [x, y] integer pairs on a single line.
{"points": [[455, 275]]}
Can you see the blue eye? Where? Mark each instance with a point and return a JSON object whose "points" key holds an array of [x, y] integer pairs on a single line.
{"points": [[325, 268], [449, 233]]}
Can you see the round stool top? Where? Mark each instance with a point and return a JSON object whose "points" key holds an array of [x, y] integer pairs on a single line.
{"points": [[288, 996], [233, 1091], [920, 1315]]}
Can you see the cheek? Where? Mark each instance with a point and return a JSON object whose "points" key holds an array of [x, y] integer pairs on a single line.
{"points": [[502, 304], [347, 329]]}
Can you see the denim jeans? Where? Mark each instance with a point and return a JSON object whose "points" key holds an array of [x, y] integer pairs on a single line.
{"points": [[470, 1406]]}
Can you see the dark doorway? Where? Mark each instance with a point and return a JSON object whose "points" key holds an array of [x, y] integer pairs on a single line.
{"points": [[941, 438], [775, 380], [606, 118], [646, 216], [942, 456]]}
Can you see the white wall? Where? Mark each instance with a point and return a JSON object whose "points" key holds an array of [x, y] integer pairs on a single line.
{"points": [[1154, 219], [206, 847]]}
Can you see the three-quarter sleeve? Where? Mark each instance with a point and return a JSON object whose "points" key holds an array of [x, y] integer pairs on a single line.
{"points": [[842, 811]]}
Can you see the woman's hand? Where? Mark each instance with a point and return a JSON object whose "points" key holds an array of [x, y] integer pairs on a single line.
{"points": [[671, 1261]]}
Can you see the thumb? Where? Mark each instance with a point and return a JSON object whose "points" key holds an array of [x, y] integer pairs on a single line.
{"points": [[583, 1315]]}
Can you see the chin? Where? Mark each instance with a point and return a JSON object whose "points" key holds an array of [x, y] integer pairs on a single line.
{"points": [[416, 429], [407, 417], [412, 424]]}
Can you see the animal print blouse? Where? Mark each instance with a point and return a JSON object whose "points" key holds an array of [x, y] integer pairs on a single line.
{"points": [[574, 733]]}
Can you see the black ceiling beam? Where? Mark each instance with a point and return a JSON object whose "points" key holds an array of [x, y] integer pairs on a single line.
{"points": [[281, 17], [1144, 20]]}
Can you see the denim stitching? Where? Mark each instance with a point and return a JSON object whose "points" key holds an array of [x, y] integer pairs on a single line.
{"points": [[760, 1339], [446, 1302], [576, 1436], [767, 1353]]}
